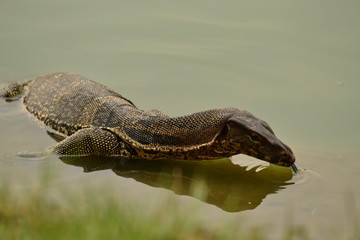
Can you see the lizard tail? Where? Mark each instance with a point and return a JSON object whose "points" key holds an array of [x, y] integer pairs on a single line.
{"points": [[13, 91]]}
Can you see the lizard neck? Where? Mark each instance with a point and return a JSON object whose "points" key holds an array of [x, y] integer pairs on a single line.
{"points": [[187, 137], [195, 129]]}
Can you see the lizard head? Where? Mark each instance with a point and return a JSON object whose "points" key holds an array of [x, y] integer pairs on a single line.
{"points": [[254, 137]]}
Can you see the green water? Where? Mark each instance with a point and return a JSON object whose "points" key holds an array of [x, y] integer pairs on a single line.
{"points": [[294, 64]]}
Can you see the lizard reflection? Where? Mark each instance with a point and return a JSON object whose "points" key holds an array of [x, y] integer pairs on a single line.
{"points": [[217, 182]]}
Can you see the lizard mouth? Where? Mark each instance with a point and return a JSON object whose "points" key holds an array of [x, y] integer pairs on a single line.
{"points": [[287, 160]]}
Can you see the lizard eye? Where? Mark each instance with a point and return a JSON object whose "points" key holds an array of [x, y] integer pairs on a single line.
{"points": [[254, 138]]}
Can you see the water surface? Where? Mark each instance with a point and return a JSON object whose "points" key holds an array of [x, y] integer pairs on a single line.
{"points": [[293, 64]]}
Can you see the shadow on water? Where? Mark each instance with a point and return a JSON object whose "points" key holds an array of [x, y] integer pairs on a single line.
{"points": [[217, 182]]}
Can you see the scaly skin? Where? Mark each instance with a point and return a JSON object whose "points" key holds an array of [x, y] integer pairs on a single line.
{"points": [[100, 121]]}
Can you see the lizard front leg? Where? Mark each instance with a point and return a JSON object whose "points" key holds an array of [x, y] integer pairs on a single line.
{"points": [[91, 141]]}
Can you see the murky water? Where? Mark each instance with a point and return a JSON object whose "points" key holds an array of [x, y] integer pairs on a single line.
{"points": [[294, 64]]}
